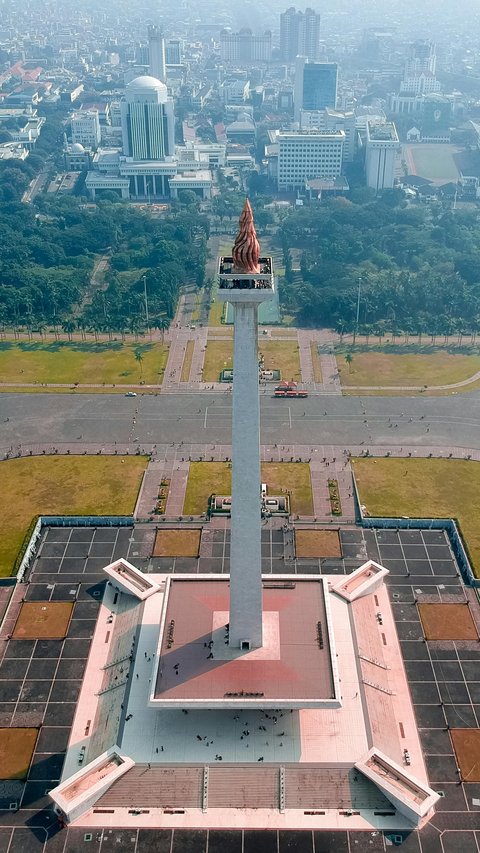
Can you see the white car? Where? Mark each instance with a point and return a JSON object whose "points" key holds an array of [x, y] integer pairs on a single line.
{"points": [[131, 394]]}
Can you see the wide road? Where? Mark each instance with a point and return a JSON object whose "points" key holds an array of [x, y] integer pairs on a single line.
{"points": [[450, 422]]}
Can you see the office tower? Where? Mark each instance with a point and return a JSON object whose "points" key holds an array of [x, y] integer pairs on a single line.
{"points": [[245, 46], [85, 127], [156, 48], [173, 51], [303, 155], [315, 85], [148, 121], [382, 147], [299, 34]]}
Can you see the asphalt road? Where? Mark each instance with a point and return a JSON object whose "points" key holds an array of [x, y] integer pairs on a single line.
{"points": [[200, 418]]}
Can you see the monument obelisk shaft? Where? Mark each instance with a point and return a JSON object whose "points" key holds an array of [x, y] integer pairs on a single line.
{"points": [[248, 282]]}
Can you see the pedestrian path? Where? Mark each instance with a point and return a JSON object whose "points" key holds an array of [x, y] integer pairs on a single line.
{"points": [[178, 487], [148, 496], [305, 355], [328, 366]]}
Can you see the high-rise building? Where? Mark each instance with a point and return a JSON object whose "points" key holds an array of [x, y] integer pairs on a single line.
{"points": [[419, 70], [245, 46], [315, 85], [422, 58], [148, 122], [85, 127], [299, 34], [156, 53], [308, 154], [173, 51], [327, 121], [381, 149]]}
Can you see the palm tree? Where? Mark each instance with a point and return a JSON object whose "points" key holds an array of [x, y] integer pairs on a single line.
{"points": [[163, 324], [69, 326], [139, 359], [349, 359]]}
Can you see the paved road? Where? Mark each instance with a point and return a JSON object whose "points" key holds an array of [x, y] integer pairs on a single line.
{"points": [[193, 418]]}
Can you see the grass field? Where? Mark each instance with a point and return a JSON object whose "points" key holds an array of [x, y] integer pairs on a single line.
{"points": [[424, 488], [177, 543], [317, 370], [466, 743], [187, 362], [43, 620], [392, 369], [447, 622], [62, 485], [317, 543], [215, 313], [279, 355], [16, 750], [207, 478], [83, 362], [434, 162], [218, 357]]}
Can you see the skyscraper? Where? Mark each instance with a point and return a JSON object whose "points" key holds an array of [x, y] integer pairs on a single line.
{"points": [[382, 149], [156, 53], [315, 85], [245, 46], [299, 34], [148, 122]]}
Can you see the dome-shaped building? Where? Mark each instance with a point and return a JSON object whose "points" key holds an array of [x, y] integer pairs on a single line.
{"points": [[146, 87], [148, 121]]}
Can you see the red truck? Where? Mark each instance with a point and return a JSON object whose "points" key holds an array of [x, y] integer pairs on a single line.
{"points": [[289, 389]]}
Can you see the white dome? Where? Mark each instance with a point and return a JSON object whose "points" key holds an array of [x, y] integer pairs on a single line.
{"points": [[78, 148], [146, 84]]}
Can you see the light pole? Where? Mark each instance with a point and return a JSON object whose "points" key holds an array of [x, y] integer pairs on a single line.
{"points": [[147, 319], [358, 308]]}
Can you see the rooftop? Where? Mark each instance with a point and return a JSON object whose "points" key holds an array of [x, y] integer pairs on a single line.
{"points": [[196, 666]]}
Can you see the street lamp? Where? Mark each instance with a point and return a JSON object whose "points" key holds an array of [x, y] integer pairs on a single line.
{"points": [[146, 300], [358, 307]]}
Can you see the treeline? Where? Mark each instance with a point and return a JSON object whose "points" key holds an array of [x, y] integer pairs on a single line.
{"points": [[403, 269], [48, 256]]}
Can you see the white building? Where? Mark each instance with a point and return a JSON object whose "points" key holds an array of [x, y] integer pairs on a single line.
{"points": [[421, 84], [148, 123], [329, 121], [381, 149], [149, 179], [85, 126], [235, 91], [245, 46], [308, 154]]}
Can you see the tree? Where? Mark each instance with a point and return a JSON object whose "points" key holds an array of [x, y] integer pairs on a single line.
{"points": [[69, 327], [163, 324], [139, 359], [349, 360]]}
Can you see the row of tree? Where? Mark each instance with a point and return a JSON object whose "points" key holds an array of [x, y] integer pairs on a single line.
{"points": [[382, 266], [48, 256]]}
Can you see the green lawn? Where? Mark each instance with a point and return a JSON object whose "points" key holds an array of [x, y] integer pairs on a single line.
{"points": [[392, 369], [82, 362], [215, 314], [207, 478], [434, 162], [279, 355], [62, 485], [424, 488]]}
